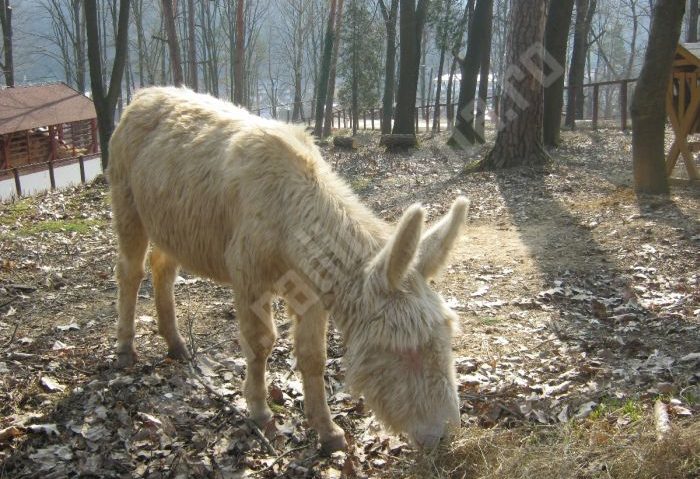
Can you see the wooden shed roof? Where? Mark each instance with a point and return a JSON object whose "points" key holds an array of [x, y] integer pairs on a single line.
{"points": [[26, 107], [687, 54]]}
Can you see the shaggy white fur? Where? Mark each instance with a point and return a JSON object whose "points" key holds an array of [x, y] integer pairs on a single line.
{"points": [[250, 202]]}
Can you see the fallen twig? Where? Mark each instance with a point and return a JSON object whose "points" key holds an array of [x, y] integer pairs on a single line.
{"points": [[254, 427], [12, 338], [279, 458]]}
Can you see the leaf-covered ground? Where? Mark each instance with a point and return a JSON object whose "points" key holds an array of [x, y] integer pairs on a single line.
{"points": [[579, 306]]}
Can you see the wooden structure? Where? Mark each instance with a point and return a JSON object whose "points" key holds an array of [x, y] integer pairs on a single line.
{"points": [[683, 107], [44, 123]]}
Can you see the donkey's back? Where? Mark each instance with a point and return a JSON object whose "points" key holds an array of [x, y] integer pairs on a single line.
{"points": [[197, 176]]}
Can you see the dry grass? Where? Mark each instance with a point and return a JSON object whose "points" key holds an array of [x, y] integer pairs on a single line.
{"points": [[595, 448]]}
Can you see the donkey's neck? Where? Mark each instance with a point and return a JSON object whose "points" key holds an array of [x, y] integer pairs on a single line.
{"points": [[335, 241]]}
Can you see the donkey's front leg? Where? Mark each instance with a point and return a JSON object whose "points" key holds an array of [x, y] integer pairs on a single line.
{"points": [[310, 347]]}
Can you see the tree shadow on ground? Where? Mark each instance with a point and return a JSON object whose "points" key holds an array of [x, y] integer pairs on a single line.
{"points": [[597, 288]]}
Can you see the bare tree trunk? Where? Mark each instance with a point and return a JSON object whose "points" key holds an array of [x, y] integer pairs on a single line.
{"points": [[79, 46], [8, 66], [390, 15], [556, 38], [519, 142], [649, 102], [484, 72], [322, 84], [584, 16], [468, 11], [105, 102], [411, 22], [238, 70], [692, 35], [633, 41], [330, 95], [192, 47], [464, 133], [173, 44]]}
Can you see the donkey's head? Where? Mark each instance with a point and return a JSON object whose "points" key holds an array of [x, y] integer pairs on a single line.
{"points": [[400, 355]]}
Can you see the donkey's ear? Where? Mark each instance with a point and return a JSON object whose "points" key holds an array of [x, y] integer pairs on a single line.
{"points": [[439, 240], [395, 259]]}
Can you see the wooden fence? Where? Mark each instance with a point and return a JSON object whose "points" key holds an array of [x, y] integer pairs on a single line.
{"points": [[50, 165], [603, 101]]}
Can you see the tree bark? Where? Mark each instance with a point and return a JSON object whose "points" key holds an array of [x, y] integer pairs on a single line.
{"points": [[324, 73], [411, 22], [239, 59], [649, 102], [390, 15], [692, 35], [574, 94], [106, 102], [479, 28], [330, 94], [519, 142], [556, 38], [173, 44], [6, 22]]}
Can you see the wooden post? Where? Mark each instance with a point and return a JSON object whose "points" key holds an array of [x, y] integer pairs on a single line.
{"points": [[345, 119], [52, 176], [427, 118], [81, 163], [596, 98], [18, 185], [623, 105], [372, 119]]}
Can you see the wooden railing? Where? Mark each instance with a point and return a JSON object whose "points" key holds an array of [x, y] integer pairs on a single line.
{"points": [[51, 165]]}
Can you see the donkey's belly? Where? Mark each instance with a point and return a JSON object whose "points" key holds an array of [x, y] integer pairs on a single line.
{"points": [[191, 226]]}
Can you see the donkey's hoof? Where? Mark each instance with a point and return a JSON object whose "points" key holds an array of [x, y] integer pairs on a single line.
{"points": [[335, 442], [126, 359], [179, 353], [262, 418]]}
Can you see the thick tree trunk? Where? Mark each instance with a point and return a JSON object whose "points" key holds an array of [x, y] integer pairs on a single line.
{"points": [[411, 22], [6, 21], [239, 58], [556, 38], [330, 95], [390, 15], [574, 94], [692, 35], [648, 104], [464, 133], [519, 142], [173, 44], [324, 73], [105, 102]]}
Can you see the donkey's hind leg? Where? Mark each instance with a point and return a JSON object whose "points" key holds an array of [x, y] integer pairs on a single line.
{"points": [[164, 270], [133, 243]]}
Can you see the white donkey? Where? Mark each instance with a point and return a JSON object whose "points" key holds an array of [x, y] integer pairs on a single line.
{"points": [[250, 202]]}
